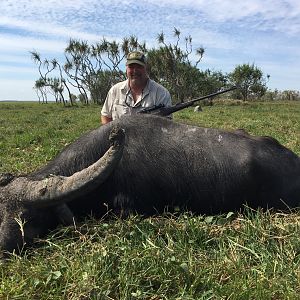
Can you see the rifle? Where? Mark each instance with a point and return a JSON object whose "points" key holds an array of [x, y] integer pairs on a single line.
{"points": [[161, 110]]}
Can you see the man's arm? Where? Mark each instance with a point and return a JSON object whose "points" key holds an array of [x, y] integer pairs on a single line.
{"points": [[165, 98], [106, 116], [106, 111]]}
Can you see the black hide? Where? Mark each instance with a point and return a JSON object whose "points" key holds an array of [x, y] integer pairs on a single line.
{"points": [[167, 164], [203, 169]]}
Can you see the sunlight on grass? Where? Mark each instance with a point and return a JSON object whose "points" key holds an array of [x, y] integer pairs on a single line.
{"points": [[251, 256]]}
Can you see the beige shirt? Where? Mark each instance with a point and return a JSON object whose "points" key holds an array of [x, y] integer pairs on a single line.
{"points": [[119, 100]]}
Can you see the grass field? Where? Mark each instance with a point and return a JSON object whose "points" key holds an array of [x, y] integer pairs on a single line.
{"points": [[234, 256]]}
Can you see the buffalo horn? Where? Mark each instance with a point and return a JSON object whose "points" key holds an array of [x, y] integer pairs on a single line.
{"points": [[55, 189]]}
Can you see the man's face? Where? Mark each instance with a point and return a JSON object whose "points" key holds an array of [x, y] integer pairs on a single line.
{"points": [[136, 73]]}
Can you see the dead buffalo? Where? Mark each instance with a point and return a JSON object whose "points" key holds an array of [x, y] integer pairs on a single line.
{"points": [[145, 164]]}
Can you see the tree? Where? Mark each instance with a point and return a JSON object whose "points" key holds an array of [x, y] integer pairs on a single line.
{"points": [[41, 90], [93, 68], [171, 66], [56, 85], [250, 80]]}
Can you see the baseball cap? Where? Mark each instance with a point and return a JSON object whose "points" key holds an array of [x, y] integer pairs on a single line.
{"points": [[136, 57]]}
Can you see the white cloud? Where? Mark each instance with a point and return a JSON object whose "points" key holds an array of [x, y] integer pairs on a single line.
{"points": [[19, 70], [17, 89], [278, 15], [40, 27], [231, 32], [62, 17], [17, 44]]}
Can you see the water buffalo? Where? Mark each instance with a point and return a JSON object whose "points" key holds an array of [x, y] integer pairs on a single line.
{"points": [[145, 164]]}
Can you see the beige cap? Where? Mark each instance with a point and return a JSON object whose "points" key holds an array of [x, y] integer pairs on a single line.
{"points": [[136, 57]]}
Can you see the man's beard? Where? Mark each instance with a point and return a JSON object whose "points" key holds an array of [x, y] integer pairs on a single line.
{"points": [[137, 79]]}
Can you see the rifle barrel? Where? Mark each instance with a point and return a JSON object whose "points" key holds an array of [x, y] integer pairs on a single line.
{"points": [[212, 95], [165, 111]]}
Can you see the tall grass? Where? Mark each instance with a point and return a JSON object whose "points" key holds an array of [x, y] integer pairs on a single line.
{"points": [[254, 255]]}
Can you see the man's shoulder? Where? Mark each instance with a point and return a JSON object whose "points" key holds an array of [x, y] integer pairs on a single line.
{"points": [[120, 85], [157, 85]]}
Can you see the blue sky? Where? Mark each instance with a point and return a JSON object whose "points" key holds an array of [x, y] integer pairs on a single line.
{"points": [[265, 33]]}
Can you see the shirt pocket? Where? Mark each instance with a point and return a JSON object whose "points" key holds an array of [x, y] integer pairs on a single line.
{"points": [[119, 110]]}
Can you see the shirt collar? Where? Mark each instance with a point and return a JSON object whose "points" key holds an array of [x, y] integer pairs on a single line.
{"points": [[125, 87]]}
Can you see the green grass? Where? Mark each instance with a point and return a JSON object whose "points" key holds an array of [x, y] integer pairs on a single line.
{"points": [[31, 133], [254, 255]]}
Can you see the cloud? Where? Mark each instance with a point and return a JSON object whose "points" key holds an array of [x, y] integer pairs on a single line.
{"points": [[214, 24], [16, 43], [17, 89], [65, 17], [18, 70], [264, 32], [47, 29], [275, 15]]}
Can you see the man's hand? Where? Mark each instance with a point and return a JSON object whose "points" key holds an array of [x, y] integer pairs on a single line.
{"points": [[105, 120]]}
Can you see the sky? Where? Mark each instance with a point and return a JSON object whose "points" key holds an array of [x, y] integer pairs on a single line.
{"points": [[265, 33]]}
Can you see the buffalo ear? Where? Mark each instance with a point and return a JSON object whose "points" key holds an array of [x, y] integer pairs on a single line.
{"points": [[64, 214], [6, 178]]}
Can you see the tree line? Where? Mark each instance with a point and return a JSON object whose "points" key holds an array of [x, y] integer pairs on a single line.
{"points": [[91, 69]]}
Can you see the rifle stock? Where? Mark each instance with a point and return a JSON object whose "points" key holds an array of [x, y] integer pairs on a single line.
{"points": [[161, 110]]}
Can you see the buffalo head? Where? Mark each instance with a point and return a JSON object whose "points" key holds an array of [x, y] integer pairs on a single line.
{"points": [[29, 208]]}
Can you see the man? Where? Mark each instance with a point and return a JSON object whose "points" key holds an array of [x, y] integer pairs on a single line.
{"points": [[138, 91]]}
